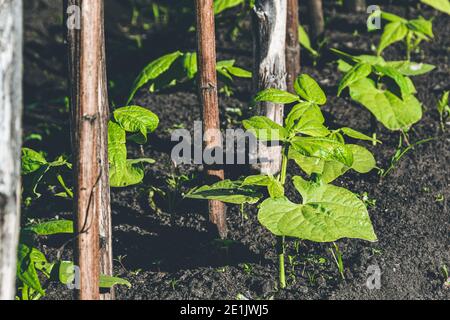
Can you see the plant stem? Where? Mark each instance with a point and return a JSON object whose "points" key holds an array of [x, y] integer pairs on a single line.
{"points": [[282, 272], [280, 246]]}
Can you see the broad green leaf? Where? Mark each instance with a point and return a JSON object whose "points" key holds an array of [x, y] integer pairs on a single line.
{"points": [[357, 135], [441, 5], [408, 68], [136, 119], [328, 213], [323, 148], [239, 72], [117, 149], [393, 32], [391, 111], [52, 227], [311, 123], [307, 88], [344, 66], [392, 17], [265, 129], [66, 272], [276, 96], [110, 281], [190, 64], [141, 161], [305, 42], [153, 70], [363, 160], [32, 161], [422, 26], [359, 71], [123, 176], [296, 113], [221, 5], [226, 191], [26, 270]]}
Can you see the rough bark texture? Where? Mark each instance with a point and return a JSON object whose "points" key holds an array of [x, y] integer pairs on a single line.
{"points": [[270, 68], [10, 140], [208, 97], [355, 5], [88, 102], [106, 250], [316, 19], [292, 44]]}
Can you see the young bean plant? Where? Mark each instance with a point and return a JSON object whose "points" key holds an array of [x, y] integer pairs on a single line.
{"points": [[327, 212], [177, 67], [411, 32], [383, 87]]}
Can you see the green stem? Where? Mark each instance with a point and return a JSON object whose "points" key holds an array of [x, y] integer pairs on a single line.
{"points": [[281, 262], [280, 240]]}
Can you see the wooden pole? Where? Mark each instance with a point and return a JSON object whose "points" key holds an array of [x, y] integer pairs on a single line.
{"points": [[317, 21], [11, 35], [270, 68], [209, 100], [105, 223], [292, 44], [355, 5], [86, 74]]}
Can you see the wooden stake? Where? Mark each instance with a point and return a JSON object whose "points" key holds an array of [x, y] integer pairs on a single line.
{"points": [[270, 68], [11, 65], [208, 97], [292, 44], [105, 223], [88, 129], [317, 21]]}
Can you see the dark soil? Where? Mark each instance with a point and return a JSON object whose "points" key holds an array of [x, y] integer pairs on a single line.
{"points": [[172, 253]]}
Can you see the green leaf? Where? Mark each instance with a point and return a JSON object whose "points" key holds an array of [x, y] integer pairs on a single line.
{"points": [[441, 5], [323, 148], [32, 161], [359, 71], [239, 72], [305, 42], [393, 32], [52, 227], [307, 88], [190, 64], [328, 213], [124, 176], [391, 111], [408, 68], [311, 123], [136, 119], [363, 160], [357, 135], [221, 5], [117, 149], [153, 70], [265, 129], [421, 25], [226, 191], [392, 17], [276, 96], [66, 272], [443, 103], [26, 270], [110, 281]]}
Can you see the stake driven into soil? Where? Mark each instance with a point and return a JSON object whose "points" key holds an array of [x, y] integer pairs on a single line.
{"points": [[11, 35], [292, 44], [316, 19], [88, 140], [209, 100]]}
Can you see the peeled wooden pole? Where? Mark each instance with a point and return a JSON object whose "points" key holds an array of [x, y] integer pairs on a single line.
{"points": [[11, 35], [207, 83], [292, 44], [88, 140], [105, 223], [316, 19], [269, 29], [355, 5]]}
